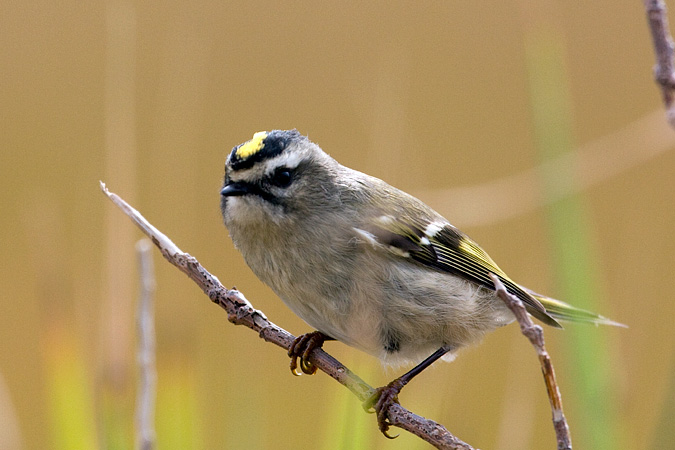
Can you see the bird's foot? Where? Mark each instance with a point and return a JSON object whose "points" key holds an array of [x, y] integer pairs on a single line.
{"points": [[300, 350], [381, 400]]}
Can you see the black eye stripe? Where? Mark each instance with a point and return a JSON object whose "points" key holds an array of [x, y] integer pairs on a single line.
{"points": [[260, 191]]}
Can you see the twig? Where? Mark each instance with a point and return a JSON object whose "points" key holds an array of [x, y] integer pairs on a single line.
{"points": [[241, 312], [664, 73], [536, 336], [147, 380]]}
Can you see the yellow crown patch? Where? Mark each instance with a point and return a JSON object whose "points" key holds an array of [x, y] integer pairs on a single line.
{"points": [[253, 146]]}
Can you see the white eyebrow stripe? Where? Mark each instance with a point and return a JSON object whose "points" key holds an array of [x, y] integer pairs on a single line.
{"points": [[249, 174], [290, 160]]}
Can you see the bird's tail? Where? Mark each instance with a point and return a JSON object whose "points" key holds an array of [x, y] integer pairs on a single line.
{"points": [[565, 312]]}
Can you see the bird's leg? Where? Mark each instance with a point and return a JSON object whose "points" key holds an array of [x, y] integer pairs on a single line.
{"points": [[386, 396], [301, 348]]}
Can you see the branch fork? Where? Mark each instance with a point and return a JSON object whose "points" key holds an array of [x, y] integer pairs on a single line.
{"points": [[241, 312]]}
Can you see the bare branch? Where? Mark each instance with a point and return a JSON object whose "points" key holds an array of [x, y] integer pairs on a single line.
{"points": [[536, 336], [664, 72], [241, 312], [147, 380]]}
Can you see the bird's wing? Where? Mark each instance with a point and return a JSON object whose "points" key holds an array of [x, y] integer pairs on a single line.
{"points": [[443, 247]]}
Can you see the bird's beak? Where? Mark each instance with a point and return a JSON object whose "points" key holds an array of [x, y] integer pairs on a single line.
{"points": [[234, 190]]}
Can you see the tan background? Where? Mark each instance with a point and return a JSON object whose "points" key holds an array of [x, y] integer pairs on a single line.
{"points": [[438, 98]]}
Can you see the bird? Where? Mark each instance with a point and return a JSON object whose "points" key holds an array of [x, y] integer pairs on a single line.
{"points": [[365, 263]]}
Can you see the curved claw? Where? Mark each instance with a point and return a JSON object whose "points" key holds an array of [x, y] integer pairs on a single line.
{"points": [[386, 396], [306, 366], [294, 367], [379, 403], [300, 350], [389, 436]]}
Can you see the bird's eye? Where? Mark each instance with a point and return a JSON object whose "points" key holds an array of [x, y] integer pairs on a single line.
{"points": [[282, 177]]}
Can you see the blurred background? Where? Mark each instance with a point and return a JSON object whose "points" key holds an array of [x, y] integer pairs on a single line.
{"points": [[533, 126]]}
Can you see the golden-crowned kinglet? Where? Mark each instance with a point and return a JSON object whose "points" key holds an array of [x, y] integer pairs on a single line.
{"points": [[363, 262]]}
